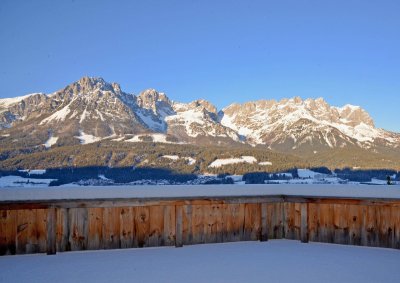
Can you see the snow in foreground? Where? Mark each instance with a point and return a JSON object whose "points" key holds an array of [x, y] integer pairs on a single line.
{"points": [[272, 261]]}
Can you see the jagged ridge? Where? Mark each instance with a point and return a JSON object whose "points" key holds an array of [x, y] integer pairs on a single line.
{"points": [[91, 109]]}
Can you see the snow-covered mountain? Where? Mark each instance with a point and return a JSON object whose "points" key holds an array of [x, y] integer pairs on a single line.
{"points": [[295, 123], [91, 110]]}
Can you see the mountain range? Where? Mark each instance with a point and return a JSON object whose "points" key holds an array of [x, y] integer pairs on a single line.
{"points": [[93, 110]]}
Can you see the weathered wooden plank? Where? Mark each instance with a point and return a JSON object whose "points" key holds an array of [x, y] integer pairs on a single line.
{"points": [[384, 227], [187, 225], [355, 222], [292, 221], [198, 224], [214, 223], [325, 227], [127, 227], [313, 222], [396, 221], [252, 221], [304, 223], [169, 225], [276, 214], [340, 223], [41, 224], [111, 228], [95, 230], [234, 222], [32, 245], [62, 230], [142, 226], [22, 231], [156, 226], [51, 244], [78, 228], [264, 222], [178, 226], [8, 232]]}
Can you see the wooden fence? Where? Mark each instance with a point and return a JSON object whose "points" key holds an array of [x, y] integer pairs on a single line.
{"points": [[58, 226]]}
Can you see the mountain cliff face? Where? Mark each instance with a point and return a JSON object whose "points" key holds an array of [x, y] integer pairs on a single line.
{"points": [[91, 110], [296, 123]]}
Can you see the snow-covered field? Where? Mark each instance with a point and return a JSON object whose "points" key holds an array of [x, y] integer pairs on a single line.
{"points": [[243, 159], [272, 261], [17, 181]]}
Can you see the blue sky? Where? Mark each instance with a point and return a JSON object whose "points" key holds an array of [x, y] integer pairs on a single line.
{"points": [[223, 51]]}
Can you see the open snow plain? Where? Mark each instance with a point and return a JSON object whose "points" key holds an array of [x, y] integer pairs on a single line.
{"points": [[272, 261]]}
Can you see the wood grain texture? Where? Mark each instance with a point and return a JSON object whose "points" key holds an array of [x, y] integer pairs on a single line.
{"points": [[40, 229]]}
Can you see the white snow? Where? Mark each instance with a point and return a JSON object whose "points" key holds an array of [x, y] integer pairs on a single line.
{"points": [[187, 119], [100, 115], [17, 181], [306, 173], [6, 102], [86, 138], [256, 119], [226, 161], [272, 261], [172, 191], [148, 120], [5, 135], [34, 171], [190, 160], [173, 157], [59, 115], [101, 176], [265, 163], [119, 138], [83, 116], [51, 141]]}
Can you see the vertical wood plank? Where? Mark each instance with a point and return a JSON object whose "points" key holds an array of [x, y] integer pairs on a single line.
{"points": [[187, 224], [22, 231], [111, 228], [62, 230], [156, 226], [51, 231], [41, 224], [8, 229], [304, 223], [234, 222], [169, 225], [313, 222], [95, 237], [78, 228], [142, 226], [252, 227], [199, 222], [264, 222], [178, 227], [127, 227]]}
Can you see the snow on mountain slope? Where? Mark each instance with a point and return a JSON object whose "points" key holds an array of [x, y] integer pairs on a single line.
{"points": [[199, 118], [302, 121], [101, 110], [7, 102], [243, 159]]}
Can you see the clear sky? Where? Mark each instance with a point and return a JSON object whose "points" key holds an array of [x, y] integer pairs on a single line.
{"points": [[224, 51]]}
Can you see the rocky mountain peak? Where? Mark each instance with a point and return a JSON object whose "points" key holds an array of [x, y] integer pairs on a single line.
{"points": [[150, 98], [355, 115], [92, 106], [204, 104], [86, 86]]}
